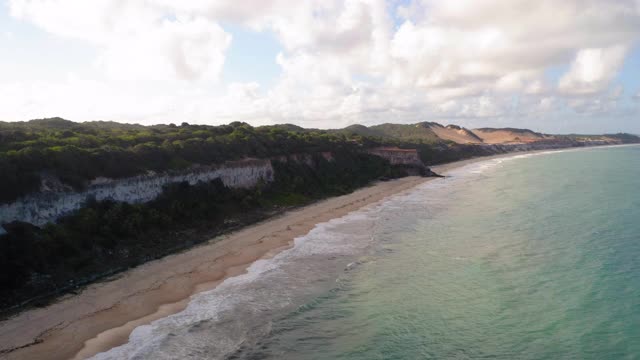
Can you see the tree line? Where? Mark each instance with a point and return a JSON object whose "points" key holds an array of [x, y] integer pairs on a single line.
{"points": [[106, 236], [76, 153]]}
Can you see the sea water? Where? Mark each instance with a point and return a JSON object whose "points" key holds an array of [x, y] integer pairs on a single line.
{"points": [[533, 256]]}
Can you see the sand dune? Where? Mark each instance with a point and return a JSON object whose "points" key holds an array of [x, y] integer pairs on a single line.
{"points": [[462, 135], [456, 133], [498, 136]]}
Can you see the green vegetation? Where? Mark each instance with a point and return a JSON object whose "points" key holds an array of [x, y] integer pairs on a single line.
{"points": [[622, 137], [76, 153], [514, 130], [408, 133], [106, 237]]}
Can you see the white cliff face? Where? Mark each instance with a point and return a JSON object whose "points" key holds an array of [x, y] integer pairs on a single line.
{"points": [[43, 207]]}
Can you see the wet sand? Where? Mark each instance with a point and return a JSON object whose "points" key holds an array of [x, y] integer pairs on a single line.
{"points": [[104, 314]]}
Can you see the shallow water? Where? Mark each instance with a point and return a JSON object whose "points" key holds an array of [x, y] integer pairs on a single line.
{"points": [[527, 257]]}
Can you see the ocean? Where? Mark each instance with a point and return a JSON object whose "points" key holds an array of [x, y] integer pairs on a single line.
{"points": [[530, 256]]}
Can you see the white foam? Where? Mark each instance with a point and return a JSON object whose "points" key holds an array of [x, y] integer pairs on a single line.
{"points": [[345, 236], [482, 166], [325, 239]]}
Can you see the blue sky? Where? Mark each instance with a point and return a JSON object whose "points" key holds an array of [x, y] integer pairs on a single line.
{"points": [[251, 57], [629, 75], [571, 66]]}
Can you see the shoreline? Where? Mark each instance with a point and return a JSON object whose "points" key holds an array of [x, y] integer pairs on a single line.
{"points": [[103, 315]]}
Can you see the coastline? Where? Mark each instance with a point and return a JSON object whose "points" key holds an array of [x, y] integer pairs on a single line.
{"points": [[103, 315]]}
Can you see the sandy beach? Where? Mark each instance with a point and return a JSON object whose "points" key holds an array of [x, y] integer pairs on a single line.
{"points": [[104, 314]]}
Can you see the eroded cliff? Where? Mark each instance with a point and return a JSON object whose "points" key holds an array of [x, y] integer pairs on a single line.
{"points": [[49, 205]]}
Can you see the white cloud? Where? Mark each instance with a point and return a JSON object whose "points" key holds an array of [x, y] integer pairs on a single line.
{"points": [[182, 49], [592, 70], [345, 61], [483, 41], [468, 52], [138, 39]]}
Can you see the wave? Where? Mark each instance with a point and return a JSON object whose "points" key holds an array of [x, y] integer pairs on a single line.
{"points": [[220, 321], [239, 312]]}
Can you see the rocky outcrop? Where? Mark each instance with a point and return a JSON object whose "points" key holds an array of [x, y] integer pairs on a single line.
{"points": [[397, 156], [49, 205], [409, 159]]}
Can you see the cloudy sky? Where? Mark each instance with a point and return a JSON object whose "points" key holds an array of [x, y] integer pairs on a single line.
{"points": [[555, 66]]}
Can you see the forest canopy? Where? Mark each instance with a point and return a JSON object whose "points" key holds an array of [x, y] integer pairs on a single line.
{"points": [[78, 152]]}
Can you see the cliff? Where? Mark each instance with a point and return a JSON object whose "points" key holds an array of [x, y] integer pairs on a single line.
{"points": [[55, 200], [408, 159], [49, 205], [397, 156]]}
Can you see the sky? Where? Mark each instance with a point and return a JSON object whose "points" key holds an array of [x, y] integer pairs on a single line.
{"points": [[570, 66]]}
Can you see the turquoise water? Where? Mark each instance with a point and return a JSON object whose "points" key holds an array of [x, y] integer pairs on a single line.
{"points": [[527, 257], [537, 258]]}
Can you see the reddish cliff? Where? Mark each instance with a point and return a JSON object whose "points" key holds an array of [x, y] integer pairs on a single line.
{"points": [[397, 156]]}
